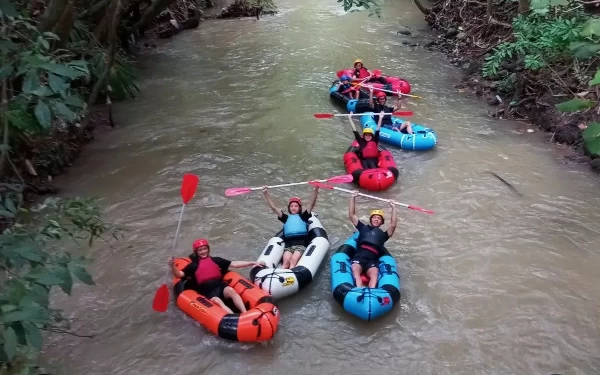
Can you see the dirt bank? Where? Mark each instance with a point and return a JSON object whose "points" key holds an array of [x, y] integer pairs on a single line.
{"points": [[467, 37]]}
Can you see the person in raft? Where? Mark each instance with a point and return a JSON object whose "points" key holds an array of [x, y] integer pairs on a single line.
{"points": [[370, 243], [379, 105], [360, 72], [368, 144], [346, 88], [205, 275], [295, 226]]}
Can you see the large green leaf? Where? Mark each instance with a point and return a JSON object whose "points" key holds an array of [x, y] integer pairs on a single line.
{"points": [[48, 278], [22, 120], [57, 83], [584, 50], [64, 111], [596, 80], [43, 115], [31, 82], [591, 27], [10, 205], [7, 9], [74, 101], [34, 336], [43, 91], [31, 313], [591, 138], [62, 70], [5, 213], [10, 343], [575, 105], [6, 71], [63, 273], [81, 273], [30, 253], [39, 294]]}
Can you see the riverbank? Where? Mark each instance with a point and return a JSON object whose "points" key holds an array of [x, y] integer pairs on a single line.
{"points": [[517, 87]]}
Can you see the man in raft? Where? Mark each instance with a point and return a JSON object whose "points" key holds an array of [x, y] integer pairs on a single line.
{"points": [[205, 275], [379, 105], [295, 226], [370, 243], [368, 144]]}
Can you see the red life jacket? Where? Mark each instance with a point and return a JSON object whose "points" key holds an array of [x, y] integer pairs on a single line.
{"points": [[207, 270], [370, 150], [361, 73]]}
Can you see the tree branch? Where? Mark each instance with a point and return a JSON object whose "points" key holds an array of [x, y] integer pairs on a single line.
{"points": [[64, 331]]}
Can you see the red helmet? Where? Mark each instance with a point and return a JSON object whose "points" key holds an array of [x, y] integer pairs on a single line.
{"points": [[295, 199], [200, 242], [381, 94]]}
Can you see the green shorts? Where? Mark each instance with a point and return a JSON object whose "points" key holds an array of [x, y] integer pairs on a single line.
{"points": [[293, 249]]}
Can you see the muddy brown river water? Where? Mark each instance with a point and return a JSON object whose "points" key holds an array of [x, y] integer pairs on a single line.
{"points": [[493, 283]]}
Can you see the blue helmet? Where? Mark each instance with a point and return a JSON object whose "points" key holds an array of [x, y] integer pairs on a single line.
{"points": [[345, 78]]}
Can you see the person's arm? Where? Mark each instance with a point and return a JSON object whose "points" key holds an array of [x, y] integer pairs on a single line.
{"points": [[392, 227], [352, 121], [371, 103], [174, 270], [313, 199], [245, 263], [397, 103], [352, 209], [275, 209], [380, 121]]}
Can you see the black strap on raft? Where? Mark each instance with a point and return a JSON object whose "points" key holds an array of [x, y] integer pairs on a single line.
{"points": [[343, 267], [387, 270], [256, 322], [369, 292]]}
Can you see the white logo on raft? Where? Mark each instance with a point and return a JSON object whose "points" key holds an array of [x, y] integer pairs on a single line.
{"points": [[385, 135], [389, 174]]}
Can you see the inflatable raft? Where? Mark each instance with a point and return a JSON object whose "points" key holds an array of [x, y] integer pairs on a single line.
{"points": [[423, 138], [259, 323], [279, 282], [394, 84], [376, 179], [351, 105], [365, 303]]}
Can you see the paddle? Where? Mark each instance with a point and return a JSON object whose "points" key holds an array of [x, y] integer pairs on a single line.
{"points": [[391, 92], [188, 189], [409, 206], [331, 115], [232, 192]]}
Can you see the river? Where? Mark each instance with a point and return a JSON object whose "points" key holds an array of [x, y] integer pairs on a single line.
{"points": [[493, 283]]}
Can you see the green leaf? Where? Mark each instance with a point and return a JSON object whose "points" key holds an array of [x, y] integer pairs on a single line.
{"points": [[62, 70], [575, 105], [51, 35], [596, 80], [82, 274], [8, 46], [22, 120], [591, 138], [10, 343], [591, 27], [30, 253], [64, 274], [48, 278], [8, 308], [43, 42], [43, 91], [31, 82], [65, 112], [7, 9], [43, 115], [33, 334], [584, 50], [8, 214], [31, 313], [10, 205], [39, 294], [6, 71], [57, 83], [74, 101]]}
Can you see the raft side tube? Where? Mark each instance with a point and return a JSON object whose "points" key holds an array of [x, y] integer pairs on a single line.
{"points": [[259, 323], [423, 139]]}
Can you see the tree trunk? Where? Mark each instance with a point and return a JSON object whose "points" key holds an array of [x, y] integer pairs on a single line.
{"points": [[52, 14], [149, 14], [422, 7], [489, 9]]}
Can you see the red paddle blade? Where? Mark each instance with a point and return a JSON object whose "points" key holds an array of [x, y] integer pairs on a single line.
{"points": [[161, 299], [403, 113], [232, 192], [417, 208], [340, 179], [324, 115], [188, 187], [320, 185]]}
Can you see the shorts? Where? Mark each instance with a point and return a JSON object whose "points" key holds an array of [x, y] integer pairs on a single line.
{"points": [[212, 289], [292, 249], [365, 259]]}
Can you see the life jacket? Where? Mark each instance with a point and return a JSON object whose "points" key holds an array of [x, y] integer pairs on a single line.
{"points": [[294, 226], [207, 270], [361, 73], [346, 88], [373, 240], [370, 151]]}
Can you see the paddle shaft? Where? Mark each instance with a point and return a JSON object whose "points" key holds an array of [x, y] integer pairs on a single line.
{"points": [[175, 238], [391, 92], [370, 196], [284, 185]]}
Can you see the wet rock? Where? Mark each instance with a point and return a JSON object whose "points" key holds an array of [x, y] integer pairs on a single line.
{"points": [[461, 35], [405, 32], [451, 33], [567, 135], [494, 100], [430, 44], [595, 164], [410, 44]]}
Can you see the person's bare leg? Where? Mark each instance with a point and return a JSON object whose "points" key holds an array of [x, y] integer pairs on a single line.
{"points": [[295, 258], [373, 274], [219, 302], [228, 292], [356, 271], [287, 257]]}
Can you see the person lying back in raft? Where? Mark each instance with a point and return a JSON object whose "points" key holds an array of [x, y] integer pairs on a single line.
{"points": [[205, 275], [368, 144], [360, 72], [380, 105], [345, 88], [295, 226], [370, 243]]}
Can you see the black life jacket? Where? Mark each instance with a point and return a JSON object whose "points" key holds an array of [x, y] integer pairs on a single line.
{"points": [[375, 238]]}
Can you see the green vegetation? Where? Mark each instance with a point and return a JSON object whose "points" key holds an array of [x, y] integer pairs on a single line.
{"points": [[371, 5]]}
